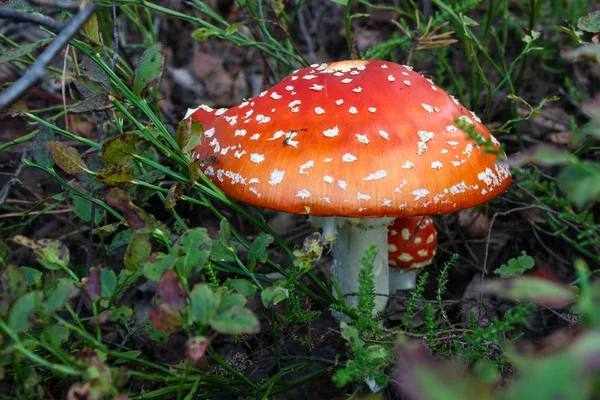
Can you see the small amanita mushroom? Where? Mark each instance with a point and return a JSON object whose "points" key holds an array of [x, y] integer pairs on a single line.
{"points": [[412, 243], [357, 142]]}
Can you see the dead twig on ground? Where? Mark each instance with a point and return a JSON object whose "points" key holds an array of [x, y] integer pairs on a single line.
{"points": [[38, 69]]}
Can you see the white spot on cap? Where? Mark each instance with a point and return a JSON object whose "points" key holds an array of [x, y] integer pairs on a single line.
{"points": [[405, 257], [380, 174], [419, 193], [294, 103], [276, 177], [430, 238], [328, 179], [357, 89], [316, 87], [348, 158], [406, 82], [248, 114], [278, 135], [275, 96], [362, 138], [239, 154], [289, 88], [452, 143], [407, 165], [392, 248], [352, 110], [422, 252], [255, 136], [372, 109], [209, 132], [384, 66], [262, 94], [427, 107], [425, 136], [444, 151], [220, 111], [309, 77], [436, 165], [384, 135], [262, 119], [386, 203], [339, 102], [303, 194], [257, 158], [342, 184], [421, 148], [328, 160], [239, 132], [405, 233], [362, 196], [451, 129], [391, 78], [319, 111], [331, 132], [306, 165], [346, 80]]}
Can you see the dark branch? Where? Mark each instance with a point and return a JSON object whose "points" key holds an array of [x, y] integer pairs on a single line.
{"points": [[63, 5], [32, 18], [38, 69]]}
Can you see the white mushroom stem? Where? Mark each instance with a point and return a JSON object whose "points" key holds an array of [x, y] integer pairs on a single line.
{"points": [[402, 279], [353, 239]]}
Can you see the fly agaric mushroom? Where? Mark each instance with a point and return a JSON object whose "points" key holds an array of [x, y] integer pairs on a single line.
{"points": [[412, 243], [358, 142]]}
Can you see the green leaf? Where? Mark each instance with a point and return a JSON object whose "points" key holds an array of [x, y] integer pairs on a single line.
{"points": [[117, 175], [580, 182], [175, 193], [32, 276], [59, 296], [221, 253], [21, 310], [91, 30], [235, 321], [121, 239], [544, 154], [516, 266], [535, 290], [120, 149], [149, 69], [205, 33], [258, 251], [108, 281], [340, 2], [590, 22], [274, 294], [52, 254], [22, 50], [242, 286], [39, 148], [230, 299], [55, 335], [131, 353], [138, 251], [204, 304], [13, 283], [154, 268], [83, 209], [192, 249], [189, 135], [67, 158], [231, 29]]}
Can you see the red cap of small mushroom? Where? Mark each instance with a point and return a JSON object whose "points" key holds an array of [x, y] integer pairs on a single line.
{"points": [[351, 138], [412, 242]]}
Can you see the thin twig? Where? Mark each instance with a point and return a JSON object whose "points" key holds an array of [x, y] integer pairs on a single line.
{"points": [[17, 16], [38, 69]]}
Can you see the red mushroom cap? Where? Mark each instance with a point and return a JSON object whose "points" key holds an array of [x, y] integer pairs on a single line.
{"points": [[412, 242], [354, 139]]}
